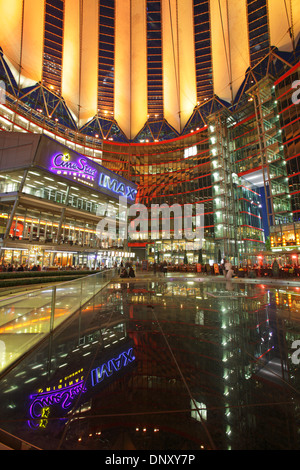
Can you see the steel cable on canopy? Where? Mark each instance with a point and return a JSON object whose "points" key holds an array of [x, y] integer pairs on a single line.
{"points": [[226, 53], [290, 26]]}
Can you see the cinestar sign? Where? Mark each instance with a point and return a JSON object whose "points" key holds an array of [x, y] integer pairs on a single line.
{"points": [[117, 187], [63, 164]]}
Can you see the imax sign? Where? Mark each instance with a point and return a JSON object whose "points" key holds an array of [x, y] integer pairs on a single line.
{"points": [[113, 365], [117, 187]]}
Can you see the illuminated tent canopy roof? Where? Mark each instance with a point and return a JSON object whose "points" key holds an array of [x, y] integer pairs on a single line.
{"points": [[141, 69]]}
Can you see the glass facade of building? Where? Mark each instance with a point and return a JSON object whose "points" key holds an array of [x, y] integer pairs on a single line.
{"points": [[285, 238], [53, 44], [106, 58], [242, 165], [238, 158], [194, 170]]}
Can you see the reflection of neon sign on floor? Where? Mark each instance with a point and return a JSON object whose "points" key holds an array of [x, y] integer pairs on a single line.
{"points": [[113, 365], [63, 397]]}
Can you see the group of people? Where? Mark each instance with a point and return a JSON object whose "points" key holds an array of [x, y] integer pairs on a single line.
{"points": [[126, 271], [37, 267], [163, 268], [9, 268]]}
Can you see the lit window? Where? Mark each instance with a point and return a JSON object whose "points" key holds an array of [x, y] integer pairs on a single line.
{"points": [[190, 151], [198, 411]]}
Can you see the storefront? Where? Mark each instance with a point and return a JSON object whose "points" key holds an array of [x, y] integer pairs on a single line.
{"points": [[285, 236], [46, 258], [182, 251], [51, 203]]}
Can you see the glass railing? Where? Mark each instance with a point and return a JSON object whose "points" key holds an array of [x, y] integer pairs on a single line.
{"points": [[26, 319]]}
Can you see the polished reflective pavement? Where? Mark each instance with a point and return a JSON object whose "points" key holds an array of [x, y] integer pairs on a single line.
{"points": [[161, 364]]}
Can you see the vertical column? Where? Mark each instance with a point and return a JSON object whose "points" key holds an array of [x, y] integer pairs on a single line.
{"points": [[187, 69], [295, 21], [230, 46], [170, 63], [89, 61], [138, 114], [71, 56], [279, 20], [122, 65], [11, 34], [53, 44], [15, 206], [32, 46], [61, 221], [258, 30], [284, 23], [21, 37], [106, 71], [203, 51], [155, 103]]}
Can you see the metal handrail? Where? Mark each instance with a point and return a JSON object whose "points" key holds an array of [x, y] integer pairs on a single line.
{"points": [[12, 442]]}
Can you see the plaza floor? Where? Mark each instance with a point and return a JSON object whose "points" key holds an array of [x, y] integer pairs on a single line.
{"points": [[165, 363]]}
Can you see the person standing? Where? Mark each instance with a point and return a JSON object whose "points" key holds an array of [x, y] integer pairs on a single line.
{"points": [[228, 267], [154, 268]]}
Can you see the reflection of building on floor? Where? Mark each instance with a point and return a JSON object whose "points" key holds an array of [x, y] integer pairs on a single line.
{"points": [[191, 347], [274, 371]]}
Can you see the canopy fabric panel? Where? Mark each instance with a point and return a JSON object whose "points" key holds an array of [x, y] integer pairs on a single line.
{"points": [[230, 46]]}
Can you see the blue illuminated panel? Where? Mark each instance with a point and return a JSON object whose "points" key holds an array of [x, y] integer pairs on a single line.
{"points": [[107, 369], [117, 187]]}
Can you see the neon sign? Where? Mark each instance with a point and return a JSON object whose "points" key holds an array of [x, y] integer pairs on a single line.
{"points": [[40, 402], [62, 164], [116, 186], [69, 389], [113, 365], [45, 412]]}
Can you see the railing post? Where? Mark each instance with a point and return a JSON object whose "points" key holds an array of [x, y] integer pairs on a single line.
{"points": [[53, 301]]}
